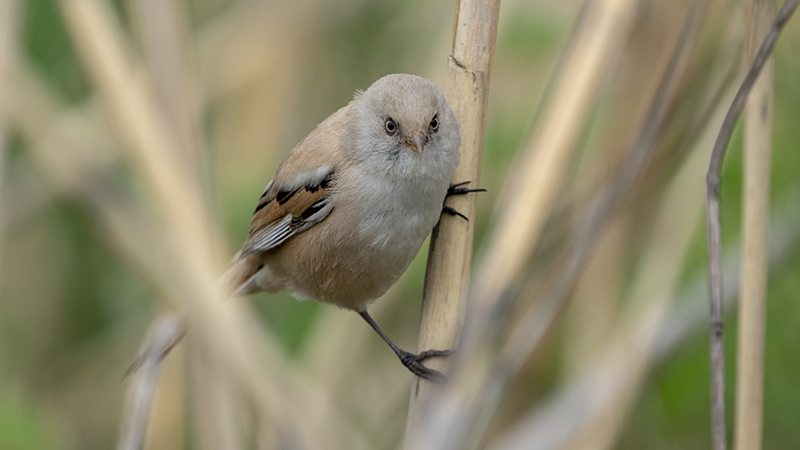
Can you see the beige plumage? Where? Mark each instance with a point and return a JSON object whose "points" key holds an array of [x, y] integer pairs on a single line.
{"points": [[351, 205]]}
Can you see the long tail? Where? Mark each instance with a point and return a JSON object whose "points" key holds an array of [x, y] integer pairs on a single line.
{"points": [[240, 278]]}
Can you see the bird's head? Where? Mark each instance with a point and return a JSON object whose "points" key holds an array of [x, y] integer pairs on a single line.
{"points": [[404, 120]]}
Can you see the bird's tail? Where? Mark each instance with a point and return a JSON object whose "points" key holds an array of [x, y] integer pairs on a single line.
{"points": [[240, 278]]}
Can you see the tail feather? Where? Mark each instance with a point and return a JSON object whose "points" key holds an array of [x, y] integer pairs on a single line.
{"points": [[239, 280]]}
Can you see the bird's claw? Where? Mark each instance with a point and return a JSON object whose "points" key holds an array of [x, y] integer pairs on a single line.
{"points": [[453, 212], [413, 363], [456, 189]]}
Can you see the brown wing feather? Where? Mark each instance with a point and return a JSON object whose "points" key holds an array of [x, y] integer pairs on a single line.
{"points": [[282, 213], [297, 198], [271, 209]]}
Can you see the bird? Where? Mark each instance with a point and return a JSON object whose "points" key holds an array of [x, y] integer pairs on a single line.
{"points": [[351, 205]]}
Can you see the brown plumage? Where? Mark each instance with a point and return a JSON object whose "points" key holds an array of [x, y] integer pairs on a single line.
{"points": [[351, 205]]}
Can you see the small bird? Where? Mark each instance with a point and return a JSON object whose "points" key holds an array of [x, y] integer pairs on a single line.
{"points": [[353, 202]]}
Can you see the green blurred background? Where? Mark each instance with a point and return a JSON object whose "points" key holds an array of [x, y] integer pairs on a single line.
{"points": [[73, 311]]}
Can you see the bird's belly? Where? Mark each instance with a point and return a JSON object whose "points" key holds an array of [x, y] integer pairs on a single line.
{"points": [[351, 272], [350, 269], [369, 262], [382, 258]]}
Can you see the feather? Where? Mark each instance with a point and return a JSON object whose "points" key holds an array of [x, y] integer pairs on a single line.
{"points": [[283, 212]]}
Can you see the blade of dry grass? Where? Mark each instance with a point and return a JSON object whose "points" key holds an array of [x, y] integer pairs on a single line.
{"points": [[450, 257], [164, 335], [625, 351], [714, 226], [755, 238]]}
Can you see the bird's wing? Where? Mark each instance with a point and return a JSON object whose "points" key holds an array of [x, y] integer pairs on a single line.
{"points": [[300, 195], [285, 210]]}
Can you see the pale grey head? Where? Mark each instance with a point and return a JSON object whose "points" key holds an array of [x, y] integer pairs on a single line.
{"points": [[405, 120]]}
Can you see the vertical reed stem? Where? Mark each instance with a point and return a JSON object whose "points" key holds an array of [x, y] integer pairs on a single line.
{"points": [[755, 234], [450, 257]]}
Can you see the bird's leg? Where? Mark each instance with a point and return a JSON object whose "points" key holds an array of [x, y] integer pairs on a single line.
{"points": [[456, 189], [410, 360]]}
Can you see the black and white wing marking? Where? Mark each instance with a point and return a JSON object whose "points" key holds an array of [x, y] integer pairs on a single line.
{"points": [[284, 211]]}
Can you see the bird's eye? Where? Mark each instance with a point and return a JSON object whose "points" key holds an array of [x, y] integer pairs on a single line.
{"points": [[435, 123], [391, 127]]}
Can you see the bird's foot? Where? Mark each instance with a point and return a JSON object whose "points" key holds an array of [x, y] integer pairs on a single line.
{"points": [[413, 363], [456, 189]]}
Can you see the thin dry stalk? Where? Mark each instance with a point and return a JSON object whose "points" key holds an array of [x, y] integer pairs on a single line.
{"points": [[142, 383], [755, 235], [119, 79], [450, 257], [714, 226]]}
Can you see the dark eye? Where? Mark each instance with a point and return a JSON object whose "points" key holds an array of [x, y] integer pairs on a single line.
{"points": [[435, 123], [391, 127]]}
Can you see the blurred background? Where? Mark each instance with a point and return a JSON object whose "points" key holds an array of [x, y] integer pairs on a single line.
{"points": [[235, 84]]}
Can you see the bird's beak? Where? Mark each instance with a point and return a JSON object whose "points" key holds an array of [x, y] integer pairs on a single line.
{"points": [[416, 141]]}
